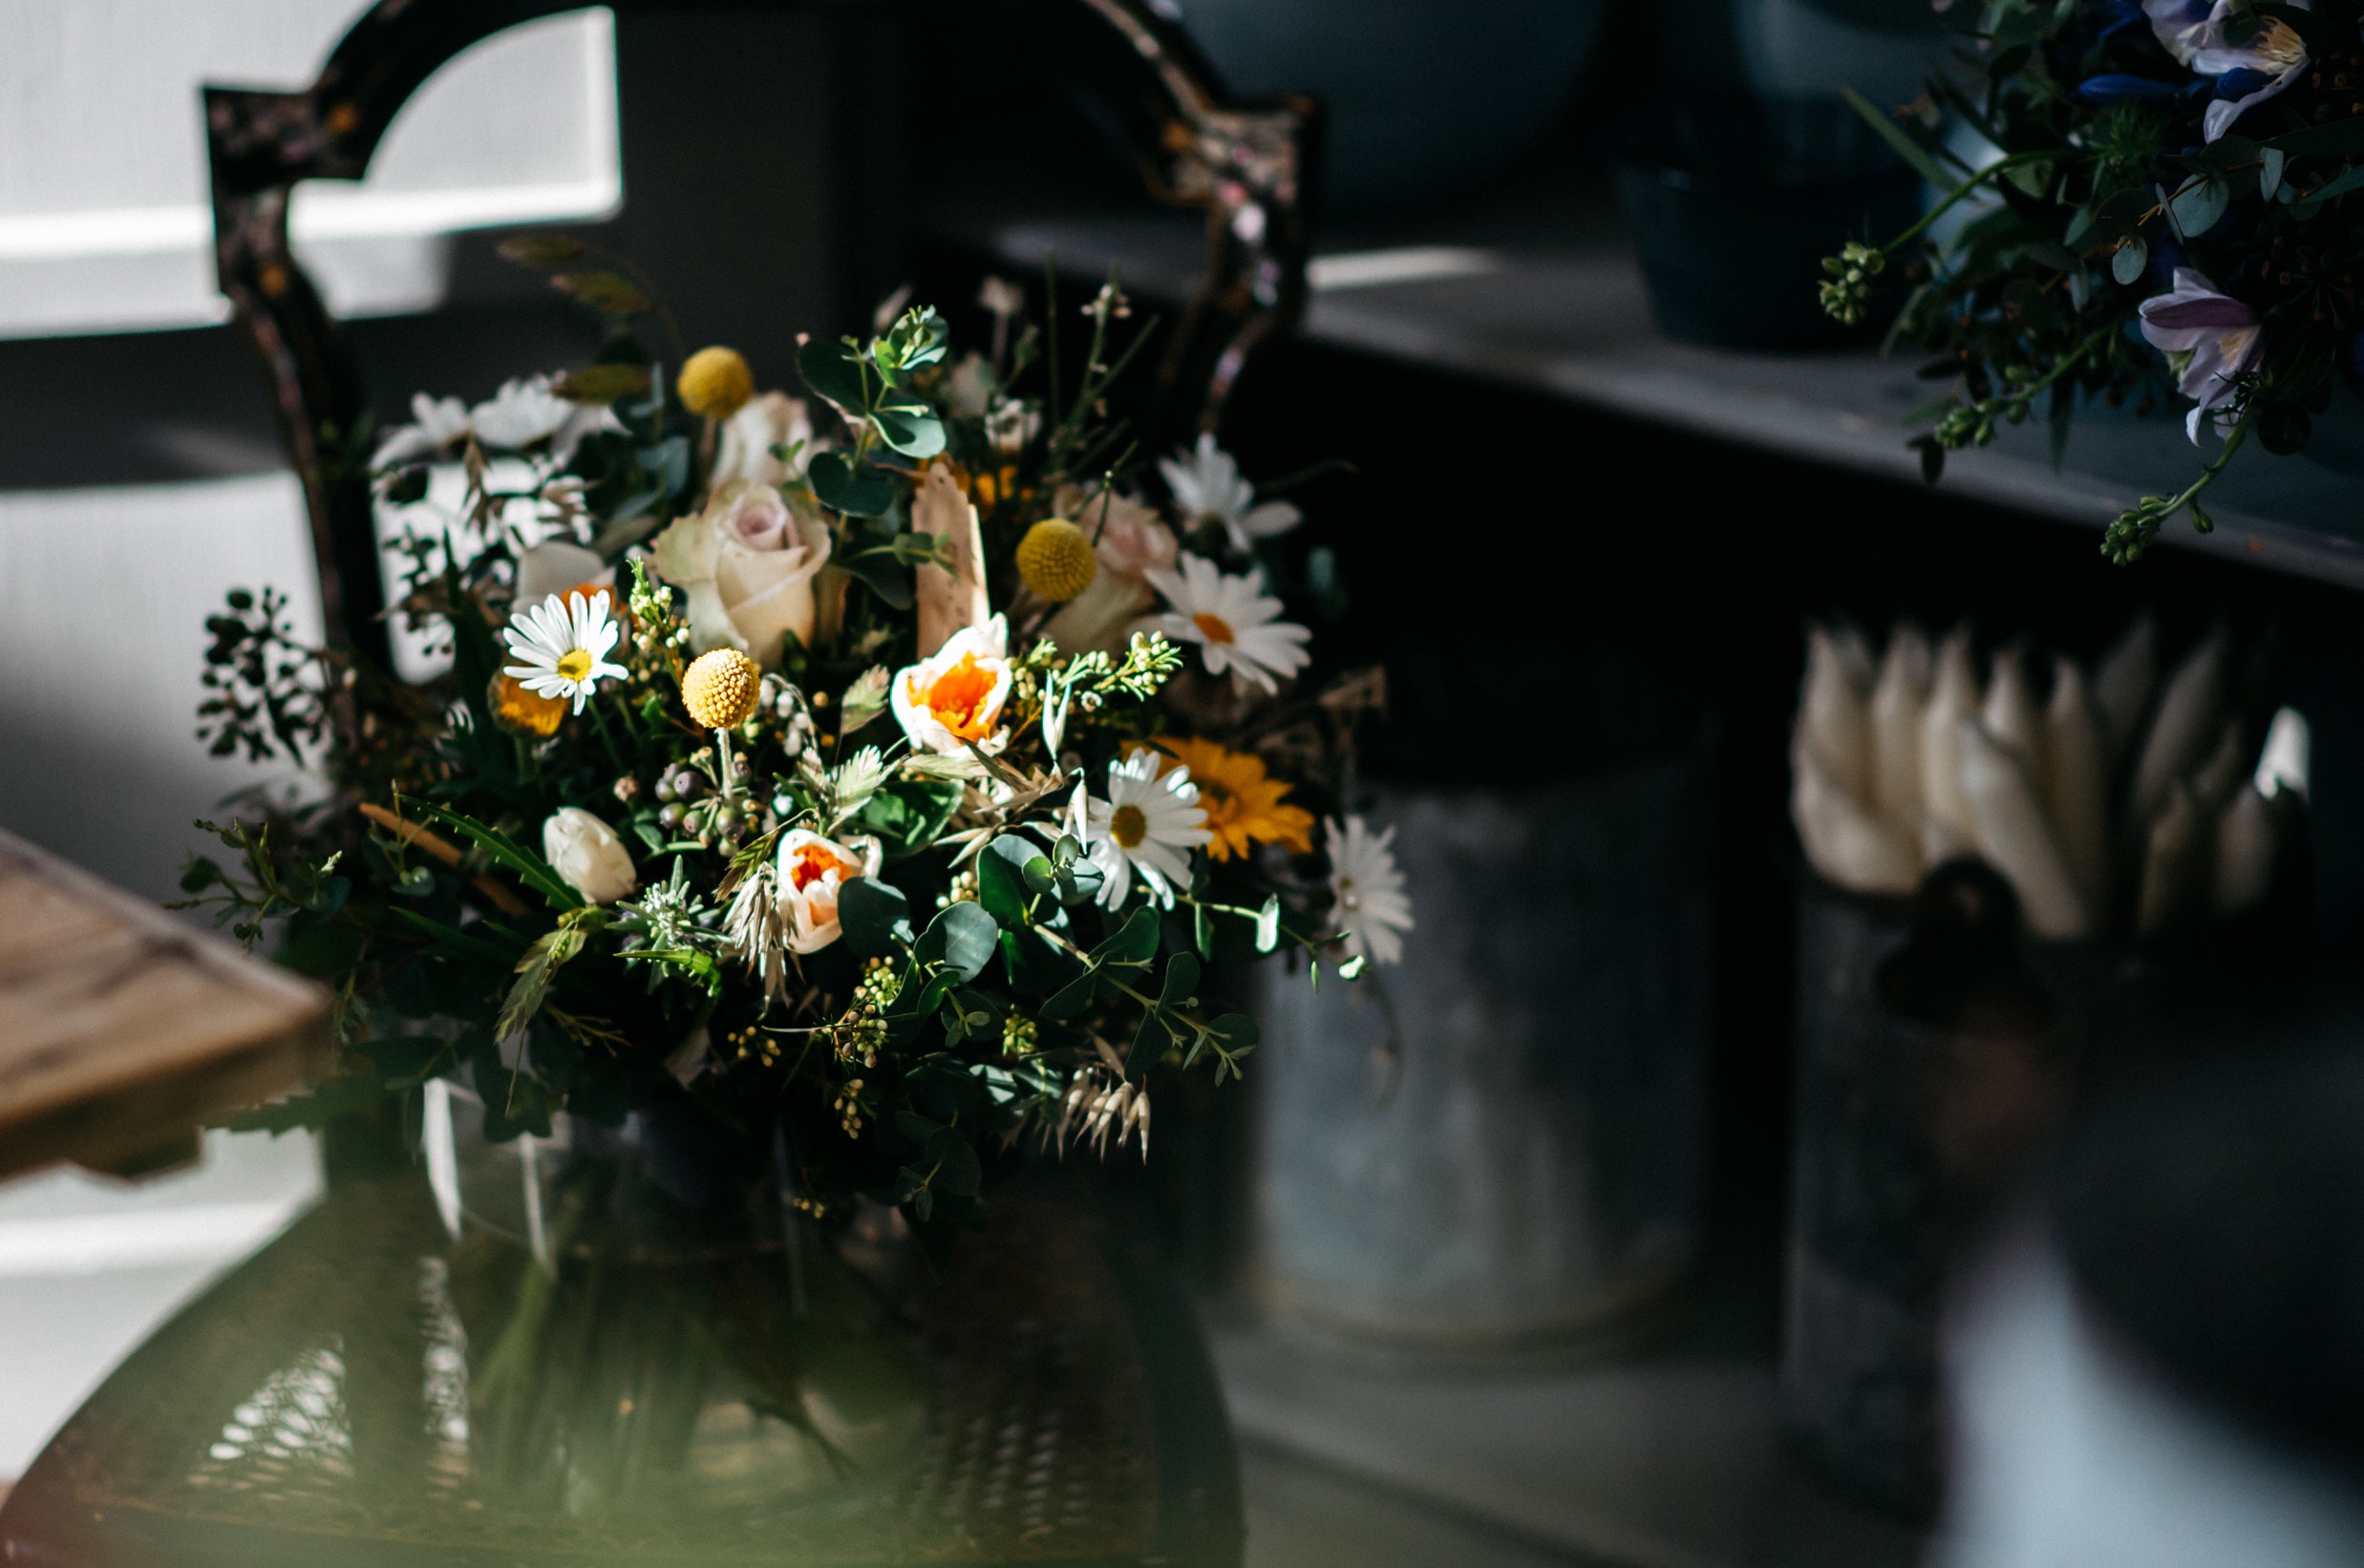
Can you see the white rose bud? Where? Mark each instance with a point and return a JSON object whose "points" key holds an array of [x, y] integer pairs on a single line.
{"points": [[586, 852]]}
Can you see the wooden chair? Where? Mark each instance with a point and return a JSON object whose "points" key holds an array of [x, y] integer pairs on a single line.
{"points": [[1247, 166]]}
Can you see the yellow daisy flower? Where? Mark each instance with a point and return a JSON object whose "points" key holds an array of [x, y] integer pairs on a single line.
{"points": [[526, 711], [1242, 805]]}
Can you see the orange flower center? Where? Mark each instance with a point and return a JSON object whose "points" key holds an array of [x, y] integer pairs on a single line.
{"points": [[958, 696], [1128, 827], [814, 861], [1217, 629]]}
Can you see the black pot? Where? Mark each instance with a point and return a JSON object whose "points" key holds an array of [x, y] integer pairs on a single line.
{"points": [[1732, 205], [1938, 1053]]}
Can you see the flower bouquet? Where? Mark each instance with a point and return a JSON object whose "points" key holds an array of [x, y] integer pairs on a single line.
{"points": [[874, 771], [2152, 196]]}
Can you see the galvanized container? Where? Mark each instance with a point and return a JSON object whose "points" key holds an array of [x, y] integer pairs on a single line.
{"points": [[1498, 1146]]}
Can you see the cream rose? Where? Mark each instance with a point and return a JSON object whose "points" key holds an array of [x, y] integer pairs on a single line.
{"points": [[588, 856], [1132, 543], [955, 695], [811, 871], [747, 562], [749, 436]]}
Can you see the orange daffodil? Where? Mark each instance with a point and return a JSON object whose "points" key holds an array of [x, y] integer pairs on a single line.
{"points": [[1244, 805], [812, 869], [954, 697]]}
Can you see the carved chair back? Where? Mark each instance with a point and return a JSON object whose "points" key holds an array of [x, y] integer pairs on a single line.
{"points": [[1246, 166]]}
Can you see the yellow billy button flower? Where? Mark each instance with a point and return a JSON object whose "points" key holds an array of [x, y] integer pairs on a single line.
{"points": [[1055, 561], [715, 383], [719, 689]]}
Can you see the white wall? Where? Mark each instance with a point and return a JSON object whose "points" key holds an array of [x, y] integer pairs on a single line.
{"points": [[103, 217]]}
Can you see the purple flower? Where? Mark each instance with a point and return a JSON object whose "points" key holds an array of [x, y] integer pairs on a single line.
{"points": [[2216, 335], [2193, 31]]}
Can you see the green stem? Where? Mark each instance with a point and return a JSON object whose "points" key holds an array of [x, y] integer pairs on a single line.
{"points": [[607, 738], [2002, 165], [2216, 466], [2072, 359]]}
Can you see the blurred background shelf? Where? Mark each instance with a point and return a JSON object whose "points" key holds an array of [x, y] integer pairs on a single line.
{"points": [[1538, 290], [1672, 1461]]}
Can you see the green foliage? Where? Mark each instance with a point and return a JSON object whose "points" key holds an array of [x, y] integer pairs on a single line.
{"points": [[910, 815], [875, 917], [263, 687], [872, 385], [2031, 305]]}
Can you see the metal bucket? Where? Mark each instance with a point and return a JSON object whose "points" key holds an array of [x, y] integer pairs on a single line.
{"points": [[1498, 1146]]}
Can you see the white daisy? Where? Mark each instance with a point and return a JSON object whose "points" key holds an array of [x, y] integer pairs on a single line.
{"points": [[1149, 824], [561, 646], [439, 423], [1208, 490], [1373, 911], [522, 413], [1231, 620]]}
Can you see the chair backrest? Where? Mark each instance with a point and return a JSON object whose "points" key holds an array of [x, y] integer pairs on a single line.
{"points": [[1247, 166]]}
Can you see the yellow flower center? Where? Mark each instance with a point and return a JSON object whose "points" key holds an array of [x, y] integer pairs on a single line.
{"points": [[958, 696], [1128, 827], [1217, 629], [575, 664]]}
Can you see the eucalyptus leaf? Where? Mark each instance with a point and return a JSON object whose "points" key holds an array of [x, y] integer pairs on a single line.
{"points": [[2054, 254], [2340, 187], [833, 370], [611, 294], [2133, 258], [2340, 135], [1181, 980], [875, 917], [842, 487], [962, 938], [882, 576], [907, 815], [2198, 205], [909, 428], [1003, 884], [1150, 1043], [1133, 945]]}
